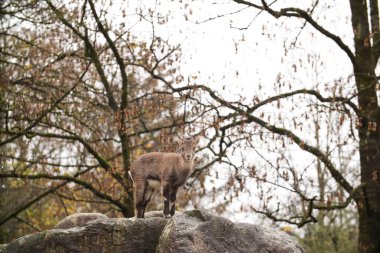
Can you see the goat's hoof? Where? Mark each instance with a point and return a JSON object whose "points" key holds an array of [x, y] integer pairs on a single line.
{"points": [[166, 216]]}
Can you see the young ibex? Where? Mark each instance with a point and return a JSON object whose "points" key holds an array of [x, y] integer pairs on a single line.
{"points": [[170, 169]]}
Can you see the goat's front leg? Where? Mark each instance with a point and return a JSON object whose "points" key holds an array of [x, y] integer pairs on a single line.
{"points": [[165, 191], [173, 197]]}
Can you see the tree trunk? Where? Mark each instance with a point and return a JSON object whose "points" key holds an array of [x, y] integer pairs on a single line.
{"points": [[369, 203], [369, 147], [128, 185]]}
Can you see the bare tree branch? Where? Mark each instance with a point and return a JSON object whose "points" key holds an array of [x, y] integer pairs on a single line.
{"points": [[310, 92], [299, 13], [302, 144], [299, 221], [30, 203], [92, 53], [67, 179], [39, 118], [102, 162], [119, 59], [352, 196]]}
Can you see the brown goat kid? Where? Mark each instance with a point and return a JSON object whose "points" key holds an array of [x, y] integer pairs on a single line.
{"points": [[169, 169]]}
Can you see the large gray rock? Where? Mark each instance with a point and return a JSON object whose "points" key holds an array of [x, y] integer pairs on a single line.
{"points": [[193, 231], [198, 231], [107, 235], [79, 219]]}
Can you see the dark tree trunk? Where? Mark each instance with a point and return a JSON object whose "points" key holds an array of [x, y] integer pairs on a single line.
{"points": [[128, 185], [369, 148]]}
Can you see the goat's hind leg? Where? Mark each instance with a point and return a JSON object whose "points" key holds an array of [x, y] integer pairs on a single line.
{"points": [[140, 189], [148, 194]]}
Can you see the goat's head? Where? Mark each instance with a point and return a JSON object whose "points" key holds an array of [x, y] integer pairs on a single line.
{"points": [[188, 146]]}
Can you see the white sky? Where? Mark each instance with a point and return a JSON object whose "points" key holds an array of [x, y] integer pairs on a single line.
{"points": [[209, 47]]}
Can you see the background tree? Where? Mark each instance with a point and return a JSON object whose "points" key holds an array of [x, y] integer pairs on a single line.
{"points": [[79, 101], [337, 230]]}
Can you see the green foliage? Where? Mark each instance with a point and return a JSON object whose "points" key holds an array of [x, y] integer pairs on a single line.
{"points": [[336, 232]]}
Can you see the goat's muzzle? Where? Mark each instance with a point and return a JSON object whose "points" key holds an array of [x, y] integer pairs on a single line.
{"points": [[187, 157]]}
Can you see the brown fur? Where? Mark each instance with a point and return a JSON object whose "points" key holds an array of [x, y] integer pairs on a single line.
{"points": [[170, 169]]}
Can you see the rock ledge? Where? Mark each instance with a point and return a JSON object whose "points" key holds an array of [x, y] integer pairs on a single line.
{"points": [[193, 231]]}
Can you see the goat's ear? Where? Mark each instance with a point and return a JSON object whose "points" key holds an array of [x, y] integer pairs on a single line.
{"points": [[195, 140], [179, 142]]}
